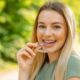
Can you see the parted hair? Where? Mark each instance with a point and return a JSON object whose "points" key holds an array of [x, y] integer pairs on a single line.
{"points": [[61, 66]]}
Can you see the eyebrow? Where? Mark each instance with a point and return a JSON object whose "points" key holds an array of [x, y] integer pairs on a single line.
{"points": [[51, 23]]}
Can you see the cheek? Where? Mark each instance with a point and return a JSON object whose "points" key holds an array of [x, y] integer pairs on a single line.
{"points": [[62, 35], [39, 34]]}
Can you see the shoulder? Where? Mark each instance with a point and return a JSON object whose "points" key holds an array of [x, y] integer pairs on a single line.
{"points": [[73, 67], [75, 57], [74, 60]]}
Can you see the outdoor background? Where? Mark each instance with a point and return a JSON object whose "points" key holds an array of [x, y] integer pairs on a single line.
{"points": [[16, 22]]}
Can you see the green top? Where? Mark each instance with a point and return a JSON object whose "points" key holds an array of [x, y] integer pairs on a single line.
{"points": [[73, 69]]}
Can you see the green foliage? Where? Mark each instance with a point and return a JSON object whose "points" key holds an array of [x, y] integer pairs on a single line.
{"points": [[16, 22]]}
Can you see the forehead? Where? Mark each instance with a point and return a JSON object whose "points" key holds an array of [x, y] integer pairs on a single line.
{"points": [[50, 16]]}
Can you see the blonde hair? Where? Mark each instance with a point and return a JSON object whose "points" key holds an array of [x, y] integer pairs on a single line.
{"points": [[60, 69]]}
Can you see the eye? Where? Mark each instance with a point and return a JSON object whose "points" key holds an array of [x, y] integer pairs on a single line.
{"points": [[56, 26], [41, 26]]}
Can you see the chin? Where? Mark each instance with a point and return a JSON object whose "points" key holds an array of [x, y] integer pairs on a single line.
{"points": [[49, 51]]}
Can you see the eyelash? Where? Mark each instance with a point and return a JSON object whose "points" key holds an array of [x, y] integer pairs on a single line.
{"points": [[41, 26], [54, 27]]}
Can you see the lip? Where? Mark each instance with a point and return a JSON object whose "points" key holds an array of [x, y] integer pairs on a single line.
{"points": [[49, 43]]}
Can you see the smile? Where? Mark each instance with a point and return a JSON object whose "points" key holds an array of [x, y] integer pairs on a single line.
{"points": [[48, 43]]}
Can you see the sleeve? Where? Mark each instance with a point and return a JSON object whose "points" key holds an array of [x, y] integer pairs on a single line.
{"points": [[73, 68]]}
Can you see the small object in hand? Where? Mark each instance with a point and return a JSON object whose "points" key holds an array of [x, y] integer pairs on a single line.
{"points": [[39, 48]]}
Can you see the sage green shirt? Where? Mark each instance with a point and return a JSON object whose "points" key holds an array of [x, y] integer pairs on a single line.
{"points": [[73, 69]]}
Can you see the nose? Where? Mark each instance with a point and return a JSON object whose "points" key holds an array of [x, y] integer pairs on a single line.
{"points": [[48, 32]]}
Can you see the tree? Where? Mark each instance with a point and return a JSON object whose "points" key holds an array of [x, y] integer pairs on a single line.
{"points": [[16, 22]]}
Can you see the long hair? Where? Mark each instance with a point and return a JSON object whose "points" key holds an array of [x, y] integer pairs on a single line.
{"points": [[61, 66]]}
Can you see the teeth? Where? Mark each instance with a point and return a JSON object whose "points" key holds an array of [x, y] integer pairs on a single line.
{"points": [[49, 41]]}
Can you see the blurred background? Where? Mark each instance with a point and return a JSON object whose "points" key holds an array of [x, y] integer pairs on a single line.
{"points": [[16, 23]]}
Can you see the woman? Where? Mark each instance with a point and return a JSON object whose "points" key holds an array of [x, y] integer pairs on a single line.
{"points": [[50, 55]]}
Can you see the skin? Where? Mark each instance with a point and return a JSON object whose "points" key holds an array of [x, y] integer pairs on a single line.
{"points": [[51, 27], [49, 32], [74, 78], [24, 58]]}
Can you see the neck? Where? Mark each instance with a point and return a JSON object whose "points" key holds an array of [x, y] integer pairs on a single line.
{"points": [[53, 56]]}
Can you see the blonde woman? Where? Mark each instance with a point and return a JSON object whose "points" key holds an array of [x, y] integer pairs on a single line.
{"points": [[50, 55]]}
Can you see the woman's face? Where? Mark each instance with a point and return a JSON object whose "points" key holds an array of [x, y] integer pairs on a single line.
{"points": [[51, 31]]}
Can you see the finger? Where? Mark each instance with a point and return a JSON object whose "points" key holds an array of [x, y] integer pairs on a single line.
{"points": [[39, 49], [27, 49], [32, 45], [25, 55]]}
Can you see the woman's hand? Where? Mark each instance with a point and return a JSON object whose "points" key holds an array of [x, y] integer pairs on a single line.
{"points": [[25, 55]]}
